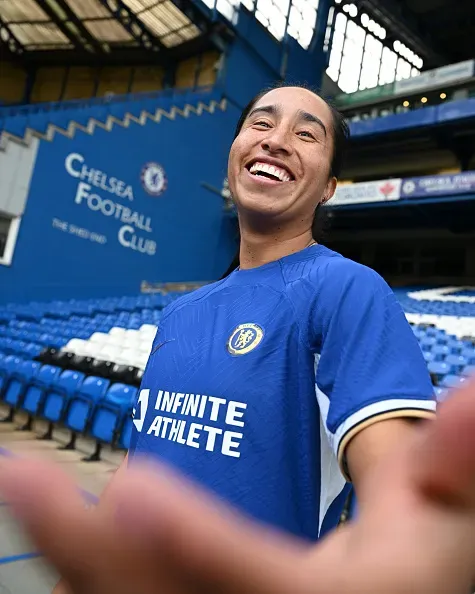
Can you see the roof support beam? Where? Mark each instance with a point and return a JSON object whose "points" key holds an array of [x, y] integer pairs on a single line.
{"points": [[97, 45], [79, 37], [133, 25], [9, 40], [197, 17]]}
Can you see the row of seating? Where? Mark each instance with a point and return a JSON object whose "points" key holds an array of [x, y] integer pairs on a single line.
{"points": [[447, 301], [123, 347], [140, 306], [442, 308], [450, 360], [90, 405], [461, 328], [58, 340]]}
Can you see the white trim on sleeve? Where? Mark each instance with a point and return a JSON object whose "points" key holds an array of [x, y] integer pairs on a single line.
{"points": [[376, 409]]}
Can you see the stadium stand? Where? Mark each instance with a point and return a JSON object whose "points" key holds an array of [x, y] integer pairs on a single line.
{"points": [[78, 365]]}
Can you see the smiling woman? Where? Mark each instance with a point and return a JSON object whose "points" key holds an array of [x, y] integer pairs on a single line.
{"points": [[311, 349]]}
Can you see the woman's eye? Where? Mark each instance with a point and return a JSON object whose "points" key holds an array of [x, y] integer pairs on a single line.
{"points": [[305, 134], [261, 123]]}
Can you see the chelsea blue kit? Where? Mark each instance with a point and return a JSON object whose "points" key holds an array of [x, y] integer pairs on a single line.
{"points": [[256, 384]]}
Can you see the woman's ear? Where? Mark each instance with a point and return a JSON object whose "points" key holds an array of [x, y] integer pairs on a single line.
{"points": [[329, 190]]}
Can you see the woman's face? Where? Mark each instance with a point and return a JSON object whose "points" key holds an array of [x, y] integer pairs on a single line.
{"points": [[279, 164]]}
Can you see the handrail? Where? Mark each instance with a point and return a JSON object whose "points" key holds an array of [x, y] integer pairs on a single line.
{"points": [[94, 101]]}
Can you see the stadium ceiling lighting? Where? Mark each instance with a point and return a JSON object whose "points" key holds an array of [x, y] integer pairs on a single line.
{"points": [[443, 96], [424, 100], [406, 104]]}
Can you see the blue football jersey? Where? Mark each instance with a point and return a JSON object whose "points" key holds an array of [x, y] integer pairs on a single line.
{"points": [[256, 383]]}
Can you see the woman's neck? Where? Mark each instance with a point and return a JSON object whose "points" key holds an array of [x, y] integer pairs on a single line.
{"points": [[256, 249]]}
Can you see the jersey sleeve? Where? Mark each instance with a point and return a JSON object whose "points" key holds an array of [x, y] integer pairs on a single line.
{"points": [[369, 365]]}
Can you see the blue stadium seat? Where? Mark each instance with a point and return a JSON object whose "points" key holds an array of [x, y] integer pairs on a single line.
{"points": [[81, 404], [38, 387], [110, 412], [428, 356], [469, 354], [440, 351], [427, 343], [469, 371], [8, 365], [456, 362], [438, 370], [32, 350], [440, 393], [58, 396], [21, 375], [453, 344], [453, 381]]}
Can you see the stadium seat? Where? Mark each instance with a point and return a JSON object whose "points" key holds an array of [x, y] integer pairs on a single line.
{"points": [[21, 375], [428, 356], [427, 343], [440, 351], [7, 366], [102, 368], [469, 371], [456, 362], [453, 381], [469, 354], [82, 403], [438, 370], [57, 397], [440, 393], [109, 416], [38, 386]]}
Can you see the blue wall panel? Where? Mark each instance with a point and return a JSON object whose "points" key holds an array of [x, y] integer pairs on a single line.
{"points": [[456, 110], [69, 245], [412, 119]]}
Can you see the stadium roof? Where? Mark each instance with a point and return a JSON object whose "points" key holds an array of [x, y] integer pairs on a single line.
{"points": [[101, 31], [151, 31], [442, 31]]}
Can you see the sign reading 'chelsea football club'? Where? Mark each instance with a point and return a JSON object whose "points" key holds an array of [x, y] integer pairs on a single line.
{"points": [[135, 226]]}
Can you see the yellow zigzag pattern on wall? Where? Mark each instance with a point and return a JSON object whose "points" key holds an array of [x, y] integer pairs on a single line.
{"points": [[112, 121]]}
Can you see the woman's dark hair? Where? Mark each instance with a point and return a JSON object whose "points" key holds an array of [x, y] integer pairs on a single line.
{"points": [[341, 131], [341, 134]]}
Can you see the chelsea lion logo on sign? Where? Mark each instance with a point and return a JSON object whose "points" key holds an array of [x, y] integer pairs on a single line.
{"points": [[154, 180], [245, 338]]}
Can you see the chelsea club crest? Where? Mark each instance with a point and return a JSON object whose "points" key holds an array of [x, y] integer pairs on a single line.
{"points": [[244, 339], [154, 180]]}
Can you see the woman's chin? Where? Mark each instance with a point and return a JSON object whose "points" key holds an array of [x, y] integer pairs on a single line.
{"points": [[260, 208]]}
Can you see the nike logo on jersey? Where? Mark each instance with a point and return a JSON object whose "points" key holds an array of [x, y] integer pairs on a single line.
{"points": [[159, 346]]}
